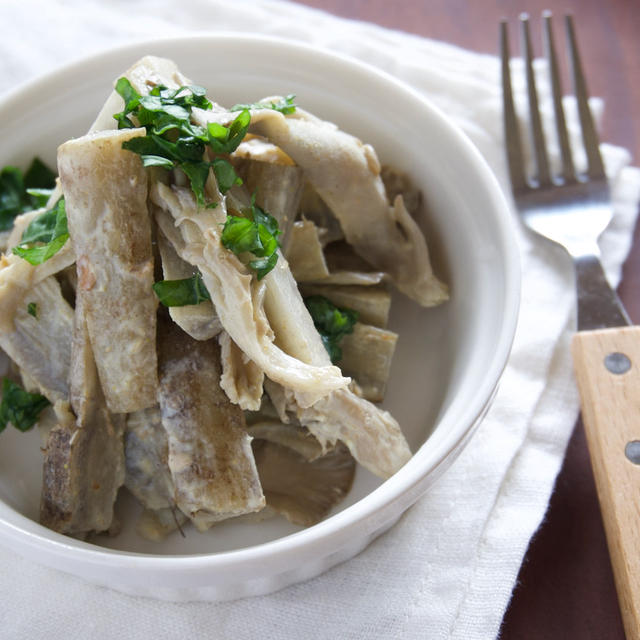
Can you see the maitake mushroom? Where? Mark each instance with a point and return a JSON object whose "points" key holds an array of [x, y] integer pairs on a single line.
{"points": [[298, 481]]}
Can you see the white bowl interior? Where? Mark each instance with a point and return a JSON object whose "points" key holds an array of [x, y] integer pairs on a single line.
{"points": [[448, 359]]}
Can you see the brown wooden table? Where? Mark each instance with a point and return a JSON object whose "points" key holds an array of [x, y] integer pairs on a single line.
{"points": [[565, 588]]}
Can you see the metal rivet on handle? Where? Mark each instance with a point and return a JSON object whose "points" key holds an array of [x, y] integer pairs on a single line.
{"points": [[632, 451], [617, 363]]}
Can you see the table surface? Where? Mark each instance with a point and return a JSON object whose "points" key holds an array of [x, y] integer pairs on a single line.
{"points": [[565, 588]]}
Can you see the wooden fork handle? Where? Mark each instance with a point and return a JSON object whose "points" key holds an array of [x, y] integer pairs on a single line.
{"points": [[607, 366]]}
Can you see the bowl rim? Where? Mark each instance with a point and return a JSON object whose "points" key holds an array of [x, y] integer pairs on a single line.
{"points": [[407, 484]]}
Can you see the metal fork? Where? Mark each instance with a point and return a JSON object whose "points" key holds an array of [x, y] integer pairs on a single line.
{"points": [[572, 210]]}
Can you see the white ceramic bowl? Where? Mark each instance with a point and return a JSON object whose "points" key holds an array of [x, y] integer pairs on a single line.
{"points": [[447, 363]]}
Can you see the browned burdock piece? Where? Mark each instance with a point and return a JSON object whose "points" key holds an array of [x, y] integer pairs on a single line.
{"points": [[209, 451], [105, 189]]}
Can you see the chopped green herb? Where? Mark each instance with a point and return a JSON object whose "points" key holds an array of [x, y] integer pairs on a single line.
{"points": [[156, 161], [183, 150], [131, 100], [256, 233], [227, 139], [240, 234], [39, 176], [187, 96], [45, 236], [39, 197], [262, 266], [264, 219], [32, 309], [226, 175], [19, 407], [168, 108], [11, 196], [179, 293], [197, 172], [173, 141], [20, 193], [284, 105], [333, 323]]}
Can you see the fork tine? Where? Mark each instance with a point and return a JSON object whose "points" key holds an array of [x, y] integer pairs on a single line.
{"points": [[595, 168], [539, 147], [511, 128], [568, 171]]}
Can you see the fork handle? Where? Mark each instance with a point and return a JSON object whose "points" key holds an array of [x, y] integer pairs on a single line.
{"points": [[607, 366]]}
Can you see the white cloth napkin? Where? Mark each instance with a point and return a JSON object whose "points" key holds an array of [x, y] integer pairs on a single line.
{"points": [[447, 569]]}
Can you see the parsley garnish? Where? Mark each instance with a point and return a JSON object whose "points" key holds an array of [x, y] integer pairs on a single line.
{"points": [[12, 194], [285, 106], [173, 141], [333, 323], [179, 293], [32, 309], [226, 175], [256, 233], [19, 407], [161, 107], [39, 176], [20, 193], [227, 139], [45, 236]]}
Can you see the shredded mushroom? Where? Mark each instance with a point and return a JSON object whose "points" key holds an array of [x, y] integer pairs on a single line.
{"points": [[236, 396]]}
